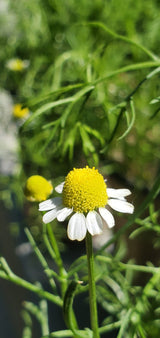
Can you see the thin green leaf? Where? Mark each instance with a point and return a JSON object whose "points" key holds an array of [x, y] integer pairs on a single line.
{"points": [[154, 72], [67, 305], [87, 333], [132, 67], [155, 100], [155, 113], [77, 264], [52, 134], [86, 142], [130, 123], [31, 103], [136, 232], [114, 130], [109, 327], [123, 38], [95, 133], [46, 107], [27, 331], [70, 142], [76, 98], [125, 323]]}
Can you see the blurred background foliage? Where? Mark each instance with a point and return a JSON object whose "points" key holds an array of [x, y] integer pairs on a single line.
{"points": [[92, 88], [76, 116]]}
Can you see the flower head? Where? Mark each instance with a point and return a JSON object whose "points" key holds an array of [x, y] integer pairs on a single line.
{"points": [[20, 112], [84, 190], [37, 188], [17, 65], [85, 196]]}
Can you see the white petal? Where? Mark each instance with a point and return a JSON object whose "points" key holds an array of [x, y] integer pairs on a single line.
{"points": [[50, 204], [50, 216], [118, 193], [121, 206], [94, 223], [63, 214], [107, 216], [77, 227], [59, 188]]}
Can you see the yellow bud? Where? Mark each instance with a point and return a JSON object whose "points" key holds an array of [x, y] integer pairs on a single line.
{"points": [[37, 188]]}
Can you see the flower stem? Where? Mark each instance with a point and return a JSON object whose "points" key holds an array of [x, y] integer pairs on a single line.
{"points": [[62, 271], [92, 289]]}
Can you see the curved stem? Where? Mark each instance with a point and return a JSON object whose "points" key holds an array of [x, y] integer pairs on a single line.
{"points": [[92, 289], [123, 38], [41, 258], [131, 67], [10, 276]]}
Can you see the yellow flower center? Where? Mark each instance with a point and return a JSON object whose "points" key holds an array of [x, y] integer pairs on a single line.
{"points": [[84, 190], [20, 112], [37, 188], [18, 65]]}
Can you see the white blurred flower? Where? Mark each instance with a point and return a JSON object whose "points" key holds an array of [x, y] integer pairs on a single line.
{"points": [[9, 162], [17, 65]]}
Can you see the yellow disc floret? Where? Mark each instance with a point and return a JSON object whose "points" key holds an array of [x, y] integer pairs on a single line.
{"points": [[84, 190], [37, 188], [17, 65], [20, 112]]}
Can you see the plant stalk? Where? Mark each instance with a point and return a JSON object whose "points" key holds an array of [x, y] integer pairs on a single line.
{"points": [[92, 288]]}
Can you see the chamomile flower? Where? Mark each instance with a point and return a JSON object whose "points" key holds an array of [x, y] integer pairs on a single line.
{"points": [[37, 188], [19, 112], [84, 198], [17, 65]]}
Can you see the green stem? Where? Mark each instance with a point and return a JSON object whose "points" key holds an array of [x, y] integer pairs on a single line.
{"points": [[123, 38], [109, 327], [44, 317], [128, 266], [47, 242], [62, 271], [27, 331], [41, 259], [92, 289], [134, 66], [41, 314], [31, 287]]}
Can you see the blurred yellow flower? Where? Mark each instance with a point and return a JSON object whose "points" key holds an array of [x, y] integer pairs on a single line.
{"points": [[20, 112], [37, 188], [17, 65]]}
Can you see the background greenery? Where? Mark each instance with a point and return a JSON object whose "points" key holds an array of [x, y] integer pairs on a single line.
{"points": [[68, 55], [92, 87]]}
